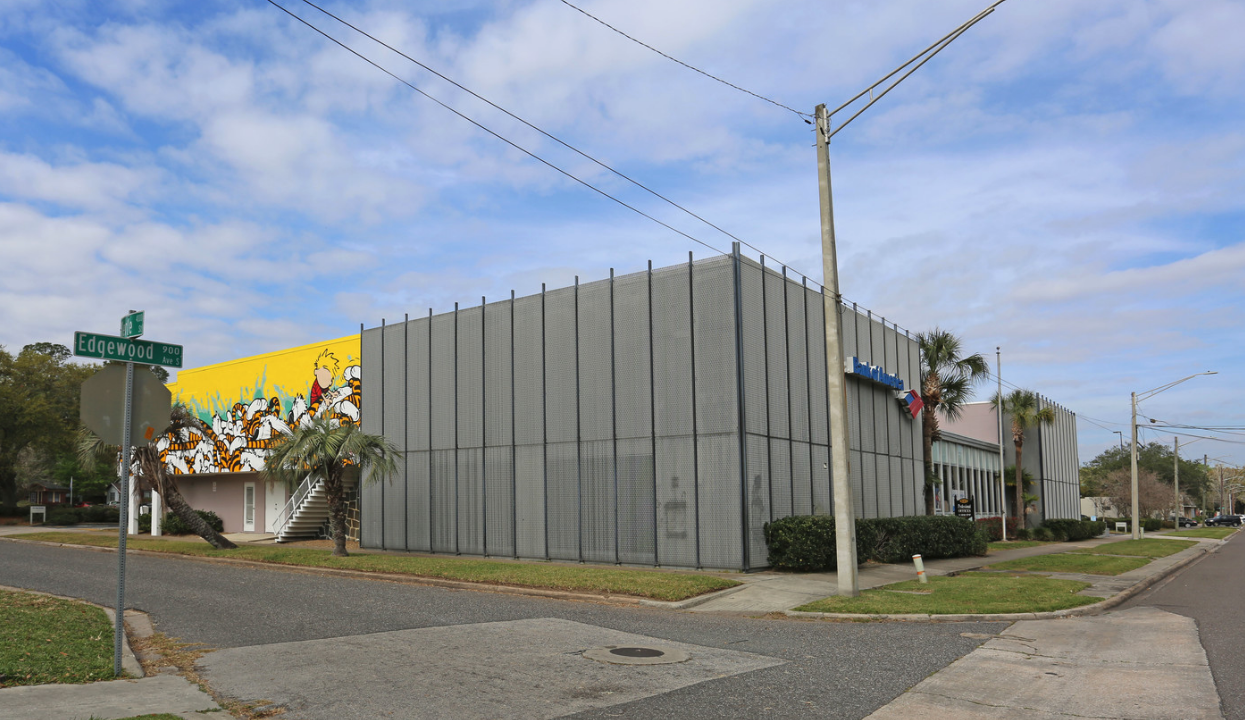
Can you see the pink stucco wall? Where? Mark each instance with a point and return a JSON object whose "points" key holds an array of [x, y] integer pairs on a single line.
{"points": [[223, 495], [977, 421]]}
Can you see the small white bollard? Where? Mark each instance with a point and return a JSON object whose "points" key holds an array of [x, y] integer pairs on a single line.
{"points": [[920, 569]]}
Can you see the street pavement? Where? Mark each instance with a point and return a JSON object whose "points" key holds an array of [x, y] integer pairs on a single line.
{"points": [[333, 647]]}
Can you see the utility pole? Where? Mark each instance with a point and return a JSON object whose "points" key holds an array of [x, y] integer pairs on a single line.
{"points": [[998, 375], [1135, 520], [1176, 455], [836, 384]]}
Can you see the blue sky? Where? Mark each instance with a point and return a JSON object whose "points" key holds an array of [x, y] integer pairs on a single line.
{"points": [[1065, 181]]}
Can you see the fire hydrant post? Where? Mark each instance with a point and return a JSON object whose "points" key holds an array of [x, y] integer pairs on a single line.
{"points": [[920, 568]]}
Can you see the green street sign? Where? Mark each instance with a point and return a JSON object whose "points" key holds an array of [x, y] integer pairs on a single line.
{"points": [[132, 325], [107, 347]]}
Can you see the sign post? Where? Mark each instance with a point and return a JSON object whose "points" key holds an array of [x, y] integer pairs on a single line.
{"points": [[129, 350], [964, 508]]}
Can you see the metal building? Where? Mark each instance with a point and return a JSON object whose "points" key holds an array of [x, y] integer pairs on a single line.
{"points": [[657, 418]]}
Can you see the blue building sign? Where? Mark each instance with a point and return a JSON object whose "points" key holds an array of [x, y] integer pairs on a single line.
{"points": [[854, 366]]}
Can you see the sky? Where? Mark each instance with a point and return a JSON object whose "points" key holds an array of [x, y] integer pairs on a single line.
{"points": [[1066, 181]]}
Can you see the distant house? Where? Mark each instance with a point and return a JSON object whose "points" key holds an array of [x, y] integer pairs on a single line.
{"points": [[48, 494]]}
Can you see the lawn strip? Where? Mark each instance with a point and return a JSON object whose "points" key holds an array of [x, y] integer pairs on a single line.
{"points": [[967, 593], [1074, 563], [1213, 533], [657, 585], [48, 640], [1149, 548], [1013, 545]]}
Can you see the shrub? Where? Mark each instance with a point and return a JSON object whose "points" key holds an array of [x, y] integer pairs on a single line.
{"points": [[13, 511], [1152, 524], [808, 542], [992, 527], [1042, 534], [173, 525], [1022, 534], [101, 514], [1074, 530], [63, 516]]}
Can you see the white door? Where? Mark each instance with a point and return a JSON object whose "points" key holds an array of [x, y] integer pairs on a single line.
{"points": [[248, 507], [274, 503]]}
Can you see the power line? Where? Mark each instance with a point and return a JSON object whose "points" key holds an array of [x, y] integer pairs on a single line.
{"points": [[547, 134], [803, 115], [509, 142]]}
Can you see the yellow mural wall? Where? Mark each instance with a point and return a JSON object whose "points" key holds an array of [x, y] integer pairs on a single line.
{"points": [[243, 404]]}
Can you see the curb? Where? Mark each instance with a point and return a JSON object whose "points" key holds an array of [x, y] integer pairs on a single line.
{"points": [[129, 663], [1083, 610], [626, 600]]}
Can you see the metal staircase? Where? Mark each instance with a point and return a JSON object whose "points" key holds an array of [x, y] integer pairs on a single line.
{"points": [[306, 511]]}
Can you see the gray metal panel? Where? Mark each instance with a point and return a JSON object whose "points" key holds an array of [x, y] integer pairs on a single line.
{"points": [[864, 346], [529, 374], [471, 378], [632, 360], [417, 408], [756, 402], [802, 477], [444, 405], [672, 351], [884, 484], [721, 537], [823, 503], [869, 480], [717, 381], [780, 478], [370, 517], [853, 413], [797, 334], [596, 382], [676, 512], [894, 418], [471, 501], [530, 500], [637, 512], [498, 381], [868, 416], [758, 497], [819, 429], [370, 369], [560, 369], [444, 518], [776, 354], [395, 506], [498, 486], [563, 499], [598, 503], [393, 404], [417, 507], [883, 401], [877, 344], [847, 325]]}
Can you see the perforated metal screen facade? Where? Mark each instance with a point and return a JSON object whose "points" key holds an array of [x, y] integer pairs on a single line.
{"points": [[659, 418]]}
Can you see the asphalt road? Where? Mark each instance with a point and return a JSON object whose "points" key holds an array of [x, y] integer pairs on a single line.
{"points": [[1210, 591], [832, 670]]}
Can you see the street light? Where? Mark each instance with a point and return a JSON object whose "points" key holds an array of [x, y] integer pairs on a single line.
{"points": [[1145, 395], [1121, 434]]}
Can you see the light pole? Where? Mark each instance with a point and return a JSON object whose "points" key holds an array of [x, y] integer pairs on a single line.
{"points": [[1121, 434], [1145, 395]]}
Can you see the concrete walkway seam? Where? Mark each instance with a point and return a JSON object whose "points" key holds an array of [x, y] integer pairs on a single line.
{"points": [[129, 663], [406, 579], [1083, 610]]}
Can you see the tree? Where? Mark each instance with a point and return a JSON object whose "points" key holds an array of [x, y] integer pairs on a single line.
{"points": [[39, 395], [151, 472], [1155, 457], [946, 384], [329, 450], [1025, 410], [1009, 479], [1152, 495]]}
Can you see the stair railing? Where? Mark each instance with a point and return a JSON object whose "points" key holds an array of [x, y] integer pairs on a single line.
{"points": [[291, 506]]}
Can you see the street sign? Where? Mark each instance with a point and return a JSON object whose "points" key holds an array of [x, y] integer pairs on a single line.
{"points": [[109, 347], [103, 406], [132, 324]]}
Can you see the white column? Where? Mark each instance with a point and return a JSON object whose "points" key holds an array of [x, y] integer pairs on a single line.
{"points": [[157, 513], [132, 528]]}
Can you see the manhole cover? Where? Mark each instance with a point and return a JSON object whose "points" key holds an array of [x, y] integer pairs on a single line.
{"points": [[637, 655]]}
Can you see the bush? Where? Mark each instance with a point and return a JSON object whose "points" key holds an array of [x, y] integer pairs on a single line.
{"points": [[808, 542], [1022, 534], [101, 514], [1169, 524], [173, 525], [13, 511], [1074, 530], [1151, 524], [1042, 534], [992, 527], [63, 516]]}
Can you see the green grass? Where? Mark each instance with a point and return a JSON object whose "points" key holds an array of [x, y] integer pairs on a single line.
{"points": [[967, 593], [1073, 563], [1148, 548], [1014, 544], [48, 640], [1214, 533], [654, 584], [157, 716]]}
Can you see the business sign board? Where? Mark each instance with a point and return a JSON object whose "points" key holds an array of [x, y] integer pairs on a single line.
{"points": [[964, 508], [109, 347], [854, 366]]}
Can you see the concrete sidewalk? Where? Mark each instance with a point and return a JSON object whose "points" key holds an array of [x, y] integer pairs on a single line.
{"points": [[770, 591], [107, 700]]}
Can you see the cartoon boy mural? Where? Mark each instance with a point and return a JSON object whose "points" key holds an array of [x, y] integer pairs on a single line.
{"points": [[326, 368]]}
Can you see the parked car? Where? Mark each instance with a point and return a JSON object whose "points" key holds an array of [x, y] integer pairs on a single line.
{"points": [[1224, 520], [1187, 522]]}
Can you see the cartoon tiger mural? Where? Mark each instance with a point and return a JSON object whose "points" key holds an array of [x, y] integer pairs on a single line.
{"points": [[237, 439]]}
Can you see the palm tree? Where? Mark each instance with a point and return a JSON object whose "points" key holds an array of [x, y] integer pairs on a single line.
{"points": [[153, 474], [946, 384], [1026, 412], [325, 448]]}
